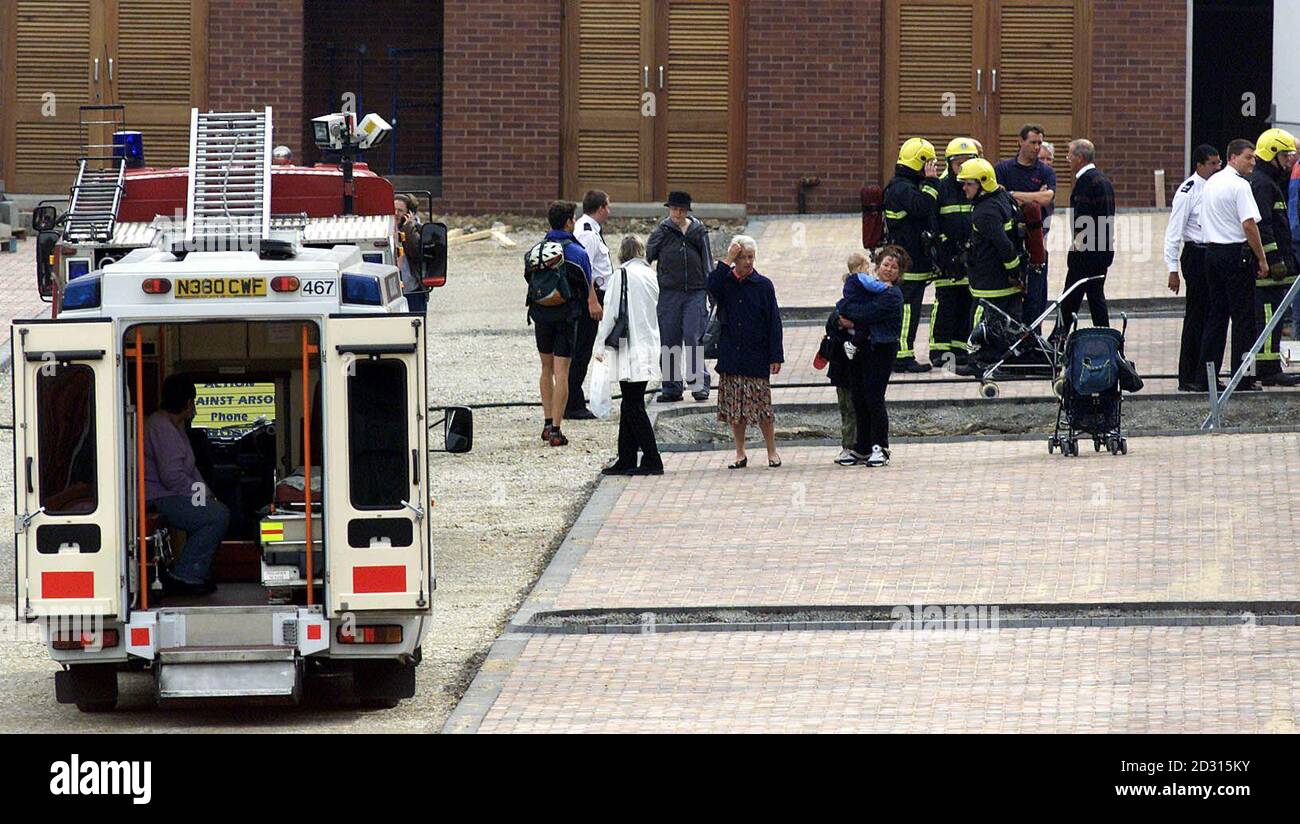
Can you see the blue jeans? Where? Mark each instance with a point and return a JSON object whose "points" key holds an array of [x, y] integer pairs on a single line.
{"points": [[205, 525], [1036, 296]]}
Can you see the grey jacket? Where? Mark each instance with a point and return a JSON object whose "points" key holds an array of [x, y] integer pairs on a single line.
{"points": [[684, 260]]}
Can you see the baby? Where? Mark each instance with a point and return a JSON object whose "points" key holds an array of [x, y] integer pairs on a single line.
{"points": [[860, 290]]}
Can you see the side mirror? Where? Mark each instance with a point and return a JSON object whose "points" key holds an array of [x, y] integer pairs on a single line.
{"points": [[47, 262], [458, 429], [433, 250], [44, 218]]}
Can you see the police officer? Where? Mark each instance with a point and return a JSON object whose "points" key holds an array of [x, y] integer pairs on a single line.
{"points": [[994, 259], [911, 221], [1275, 154], [1185, 230], [950, 316]]}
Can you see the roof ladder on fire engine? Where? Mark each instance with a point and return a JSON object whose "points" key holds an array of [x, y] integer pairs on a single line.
{"points": [[101, 176], [229, 201]]}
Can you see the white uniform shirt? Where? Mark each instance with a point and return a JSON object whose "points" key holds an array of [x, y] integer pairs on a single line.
{"points": [[1226, 203], [588, 234], [1184, 220]]}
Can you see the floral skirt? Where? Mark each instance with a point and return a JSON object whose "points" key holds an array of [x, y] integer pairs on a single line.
{"points": [[743, 399]]}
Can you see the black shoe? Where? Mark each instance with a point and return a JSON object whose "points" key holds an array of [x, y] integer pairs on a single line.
{"points": [[617, 468], [557, 438], [582, 414], [1280, 379], [546, 433], [970, 370], [664, 397], [700, 396], [648, 470], [1253, 386], [175, 586], [1200, 387], [915, 366]]}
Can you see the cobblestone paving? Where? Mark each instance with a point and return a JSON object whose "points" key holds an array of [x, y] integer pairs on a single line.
{"points": [[805, 256], [1178, 519], [18, 297], [1129, 679]]}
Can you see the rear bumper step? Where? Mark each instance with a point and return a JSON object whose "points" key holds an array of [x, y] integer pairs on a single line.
{"points": [[190, 673]]}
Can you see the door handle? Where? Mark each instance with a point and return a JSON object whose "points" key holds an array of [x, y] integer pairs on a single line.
{"points": [[661, 78], [110, 70], [415, 467], [29, 477], [645, 78], [96, 69], [995, 81], [979, 80]]}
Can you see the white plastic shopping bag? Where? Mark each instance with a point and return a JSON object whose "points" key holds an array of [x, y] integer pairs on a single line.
{"points": [[600, 387]]}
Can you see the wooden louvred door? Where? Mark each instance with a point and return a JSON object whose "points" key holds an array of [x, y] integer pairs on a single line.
{"points": [[1043, 54], [700, 136], [159, 72], [935, 78], [56, 45], [609, 46]]}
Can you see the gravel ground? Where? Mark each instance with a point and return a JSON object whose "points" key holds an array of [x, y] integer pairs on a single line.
{"points": [[501, 511]]}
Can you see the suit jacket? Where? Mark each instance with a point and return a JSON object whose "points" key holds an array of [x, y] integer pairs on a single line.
{"points": [[1092, 216]]}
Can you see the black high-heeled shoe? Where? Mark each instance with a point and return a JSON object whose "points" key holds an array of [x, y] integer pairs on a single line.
{"points": [[740, 464]]}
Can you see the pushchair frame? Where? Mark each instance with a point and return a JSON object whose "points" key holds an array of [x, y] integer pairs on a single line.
{"points": [[1112, 437]]}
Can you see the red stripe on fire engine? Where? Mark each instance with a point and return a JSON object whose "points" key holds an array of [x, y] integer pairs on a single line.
{"points": [[67, 585], [379, 579]]}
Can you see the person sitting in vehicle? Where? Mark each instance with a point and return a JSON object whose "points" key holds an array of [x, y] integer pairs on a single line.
{"points": [[175, 488]]}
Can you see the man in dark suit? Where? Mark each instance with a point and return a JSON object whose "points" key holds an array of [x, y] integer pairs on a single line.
{"points": [[1092, 231]]}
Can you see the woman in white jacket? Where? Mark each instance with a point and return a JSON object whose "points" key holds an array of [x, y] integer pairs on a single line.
{"points": [[636, 359]]}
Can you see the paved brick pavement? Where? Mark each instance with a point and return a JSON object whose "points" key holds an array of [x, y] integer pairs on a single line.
{"points": [[805, 256], [1128, 679], [18, 297], [1178, 519]]}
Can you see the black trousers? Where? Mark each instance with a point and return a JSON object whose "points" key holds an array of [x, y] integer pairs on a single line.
{"points": [[1230, 296], [1268, 295], [913, 295], [1082, 265], [1191, 369], [582, 357], [869, 376], [949, 320], [634, 430]]}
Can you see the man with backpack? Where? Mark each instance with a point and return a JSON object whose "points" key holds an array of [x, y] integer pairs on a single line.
{"points": [[997, 257], [558, 272]]}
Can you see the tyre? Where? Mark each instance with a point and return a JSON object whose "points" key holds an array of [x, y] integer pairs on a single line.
{"points": [[989, 389], [1058, 387], [92, 687], [1074, 448], [382, 684], [1051, 446], [1123, 446], [1096, 444]]}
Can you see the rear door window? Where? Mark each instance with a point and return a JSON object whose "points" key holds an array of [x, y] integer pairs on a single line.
{"points": [[377, 435], [65, 439]]}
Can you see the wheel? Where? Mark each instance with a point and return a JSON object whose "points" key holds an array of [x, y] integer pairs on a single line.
{"points": [[96, 706], [1058, 387], [989, 389], [1074, 447], [1123, 446], [1096, 444], [1051, 446]]}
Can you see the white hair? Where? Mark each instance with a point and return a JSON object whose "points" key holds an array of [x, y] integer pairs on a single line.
{"points": [[1049, 148], [1084, 149], [747, 243]]}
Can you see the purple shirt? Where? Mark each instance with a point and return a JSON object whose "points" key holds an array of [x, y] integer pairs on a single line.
{"points": [[168, 460], [1033, 178]]}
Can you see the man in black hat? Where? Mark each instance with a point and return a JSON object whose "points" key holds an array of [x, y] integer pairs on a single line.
{"points": [[681, 246]]}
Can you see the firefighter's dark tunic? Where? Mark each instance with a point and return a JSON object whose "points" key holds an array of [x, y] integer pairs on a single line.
{"points": [[950, 316], [995, 260], [1266, 184], [911, 218]]}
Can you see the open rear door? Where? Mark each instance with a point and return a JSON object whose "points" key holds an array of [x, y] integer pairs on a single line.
{"points": [[67, 491], [376, 464]]}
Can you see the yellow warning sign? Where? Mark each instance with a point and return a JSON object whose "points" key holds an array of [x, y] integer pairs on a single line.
{"points": [[272, 531], [233, 404]]}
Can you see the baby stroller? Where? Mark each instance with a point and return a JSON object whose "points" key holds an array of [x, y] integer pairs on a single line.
{"points": [[1090, 391], [1016, 347]]}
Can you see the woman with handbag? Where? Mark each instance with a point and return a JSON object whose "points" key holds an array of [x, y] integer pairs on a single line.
{"points": [[627, 344]]}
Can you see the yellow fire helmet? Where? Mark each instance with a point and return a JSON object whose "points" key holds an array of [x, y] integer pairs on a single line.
{"points": [[1274, 142], [980, 170], [962, 146], [915, 153]]}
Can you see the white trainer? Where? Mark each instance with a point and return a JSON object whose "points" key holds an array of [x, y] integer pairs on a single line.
{"points": [[846, 458], [878, 457]]}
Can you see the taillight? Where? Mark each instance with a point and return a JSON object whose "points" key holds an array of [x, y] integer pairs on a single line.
{"points": [[285, 283], [156, 286], [66, 640], [384, 634]]}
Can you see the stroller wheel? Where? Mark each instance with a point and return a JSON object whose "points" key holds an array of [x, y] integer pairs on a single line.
{"points": [[989, 389], [1123, 446], [1058, 387], [1096, 444], [1074, 447], [1051, 446]]}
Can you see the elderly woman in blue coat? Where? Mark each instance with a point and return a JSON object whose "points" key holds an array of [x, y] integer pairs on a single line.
{"points": [[750, 347]]}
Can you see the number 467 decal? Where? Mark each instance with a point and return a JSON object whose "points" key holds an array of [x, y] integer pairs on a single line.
{"points": [[317, 287]]}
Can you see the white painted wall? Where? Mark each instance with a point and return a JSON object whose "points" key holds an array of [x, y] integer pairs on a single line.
{"points": [[1286, 63]]}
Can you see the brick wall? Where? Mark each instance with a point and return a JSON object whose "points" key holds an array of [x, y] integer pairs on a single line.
{"points": [[1138, 95], [255, 59], [813, 101], [501, 99]]}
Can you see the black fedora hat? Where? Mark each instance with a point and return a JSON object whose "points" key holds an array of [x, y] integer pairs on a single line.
{"points": [[682, 199]]}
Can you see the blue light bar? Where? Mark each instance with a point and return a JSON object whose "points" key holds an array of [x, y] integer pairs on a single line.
{"points": [[362, 289], [373, 257], [77, 268], [83, 293]]}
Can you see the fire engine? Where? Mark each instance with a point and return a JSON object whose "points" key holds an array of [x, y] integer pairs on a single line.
{"points": [[277, 291]]}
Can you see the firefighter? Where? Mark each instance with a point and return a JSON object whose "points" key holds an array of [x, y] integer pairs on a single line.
{"points": [[995, 256], [1275, 154], [950, 316], [911, 221]]}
